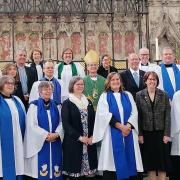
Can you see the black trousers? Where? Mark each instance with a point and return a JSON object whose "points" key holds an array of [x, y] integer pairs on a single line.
{"points": [[111, 175], [175, 175]]}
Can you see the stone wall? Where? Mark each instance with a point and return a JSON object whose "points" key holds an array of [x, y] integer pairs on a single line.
{"points": [[52, 35], [164, 24]]}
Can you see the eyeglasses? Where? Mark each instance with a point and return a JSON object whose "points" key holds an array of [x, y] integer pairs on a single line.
{"points": [[144, 54], [10, 83], [92, 65], [67, 53], [150, 79]]}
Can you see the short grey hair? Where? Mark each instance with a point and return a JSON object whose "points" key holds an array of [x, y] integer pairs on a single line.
{"points": [[166, 48], [45, 84], [4, 79], [21, 50], [73, 81]]}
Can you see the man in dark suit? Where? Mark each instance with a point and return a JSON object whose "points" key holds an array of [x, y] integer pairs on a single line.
{"points": [[133, 82], [26, 75], [132, 78]]}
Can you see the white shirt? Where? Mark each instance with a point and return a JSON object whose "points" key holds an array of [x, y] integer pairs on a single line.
{"points": [[171, 76], [39, 71], [66, 77], [34, 94], [149, 67]]}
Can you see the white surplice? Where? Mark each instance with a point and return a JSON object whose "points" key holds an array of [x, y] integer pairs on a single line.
{"points": [[171, 76], [34, 94], [17, 138], [34, 139], [175, 124], [149, 67], [102, 132], [66, 77]]}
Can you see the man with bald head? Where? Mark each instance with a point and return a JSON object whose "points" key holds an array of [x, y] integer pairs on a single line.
{"points": [[132, 78], [144, 64]]}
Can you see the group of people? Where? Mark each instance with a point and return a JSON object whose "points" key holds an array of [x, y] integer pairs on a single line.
{"points": [[58, 123]]}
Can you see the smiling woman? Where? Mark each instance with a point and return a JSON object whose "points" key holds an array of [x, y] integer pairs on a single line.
{"points": [[12, 127], [154, 127], [78, 123], [43, 152], [116, 126]]}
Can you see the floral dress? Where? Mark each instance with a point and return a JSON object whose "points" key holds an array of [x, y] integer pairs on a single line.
{"points": [[85, 168]]}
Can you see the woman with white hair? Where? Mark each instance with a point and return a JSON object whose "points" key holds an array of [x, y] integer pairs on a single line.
{"points": [[42, 142]]}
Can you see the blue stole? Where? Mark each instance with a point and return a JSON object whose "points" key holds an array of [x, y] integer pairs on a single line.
{"points": [[57, 90], [123, 147], [56, 149], [6, 135], [167, 85]]}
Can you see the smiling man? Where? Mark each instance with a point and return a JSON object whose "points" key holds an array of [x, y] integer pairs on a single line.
{"points": [[48, 69], [132, 78], [169, 73], [145, 64], [26, 75]]}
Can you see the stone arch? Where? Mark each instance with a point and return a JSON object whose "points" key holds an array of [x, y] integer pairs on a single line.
{"points": [[168, 34]]}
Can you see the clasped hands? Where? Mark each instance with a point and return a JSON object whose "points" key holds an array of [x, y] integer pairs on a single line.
{"points": [[85, 140], [125, 129], [51, 137]]}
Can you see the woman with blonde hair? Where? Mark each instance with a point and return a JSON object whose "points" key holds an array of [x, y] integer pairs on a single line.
{"points": [[10, 69]]}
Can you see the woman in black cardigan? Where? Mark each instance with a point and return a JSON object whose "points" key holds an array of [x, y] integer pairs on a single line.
{"points": [[37, 63], [79, 155]]}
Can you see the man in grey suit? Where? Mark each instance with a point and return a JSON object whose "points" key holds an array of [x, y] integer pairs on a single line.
{"points": [[26, 75]]}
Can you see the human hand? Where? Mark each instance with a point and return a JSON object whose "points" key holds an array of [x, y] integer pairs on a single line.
{"points": [[84, 139], [51, 137], [125, 130], [141, 139], [90, 141], [26, 97], [166, 139]]}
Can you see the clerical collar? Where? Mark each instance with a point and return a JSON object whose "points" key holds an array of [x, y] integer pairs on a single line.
{"points": [[144, 64], [47, 104], [68, 64], [168, 65], [6, 97], [48, 79]]}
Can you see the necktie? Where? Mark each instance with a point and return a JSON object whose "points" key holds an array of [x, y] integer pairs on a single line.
{"points": [[136, 78]]}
